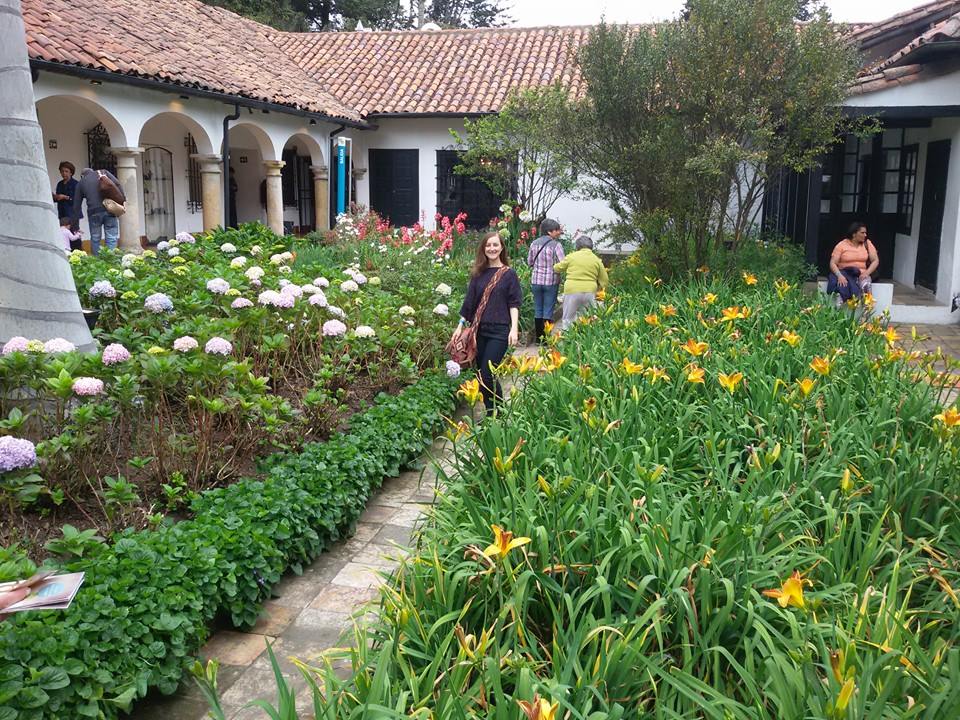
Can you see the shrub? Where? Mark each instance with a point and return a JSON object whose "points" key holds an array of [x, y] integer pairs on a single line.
{"points": [[149, 597]]}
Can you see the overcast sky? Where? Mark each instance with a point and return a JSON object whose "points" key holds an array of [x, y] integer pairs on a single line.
{"points": [[585, 12]]}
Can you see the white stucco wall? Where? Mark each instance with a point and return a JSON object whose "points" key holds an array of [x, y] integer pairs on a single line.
{"points": [[68, 106], [427, 135], [937, 90]]}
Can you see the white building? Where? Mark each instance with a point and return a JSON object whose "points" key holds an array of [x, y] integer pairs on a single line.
{"points": [[155, 89]]}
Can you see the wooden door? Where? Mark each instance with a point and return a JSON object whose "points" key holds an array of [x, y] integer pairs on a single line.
{"points": [[395, 185], [931, 214]]}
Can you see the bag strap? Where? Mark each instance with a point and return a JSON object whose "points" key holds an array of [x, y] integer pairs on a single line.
{"points": [[542, 248], [487, 291]]}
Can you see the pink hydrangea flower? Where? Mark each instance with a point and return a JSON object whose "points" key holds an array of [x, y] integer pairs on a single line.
{"points": [[241, 303], [114, 353], [87, 386], [15, 344], [185, 344], [58, 345], [334, 328], [158, 303], [186, 237], [291, 289], [318, 299], [218, 346]]}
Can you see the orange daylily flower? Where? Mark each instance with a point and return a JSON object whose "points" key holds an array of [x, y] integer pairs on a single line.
{"points": [[791, 592], [732, 313], [695, 375], [749, 278], [555, 360], [694, 347], [949, 417], [539, 709], [652, 319], [790, 338], [503, 542], [730, 382], [820, 365], [630, 367], [668, 310], [806, 385], [655, 374]]}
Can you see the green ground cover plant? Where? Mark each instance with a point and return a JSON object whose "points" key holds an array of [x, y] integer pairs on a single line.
{"points": [[150, 595], [720, 499]]}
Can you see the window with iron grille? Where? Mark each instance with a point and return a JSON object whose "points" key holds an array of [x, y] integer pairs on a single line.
{"points": [[194, 179], [908, 186], [288, 177], [98, 149], [456, 193]]}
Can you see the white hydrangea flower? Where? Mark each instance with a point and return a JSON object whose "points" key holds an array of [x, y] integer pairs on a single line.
{"points": [[238, 262], [364, 331], [349, 286], [321, 282], [129, 274], [254, 272], [228, 248], [406, 310], [443, 289], [256, 250], [284, 269], [442, 310]]}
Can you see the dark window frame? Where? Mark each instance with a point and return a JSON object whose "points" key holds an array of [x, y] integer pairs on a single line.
{"points": [[194, 178], [98, 149], [906, 198], [476, 199]]}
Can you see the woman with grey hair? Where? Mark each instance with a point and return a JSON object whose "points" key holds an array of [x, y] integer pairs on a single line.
{"points": [[585, 276], [544, 253]]}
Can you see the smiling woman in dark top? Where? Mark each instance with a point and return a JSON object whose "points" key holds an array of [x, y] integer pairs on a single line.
{"points": [[499, 325]]}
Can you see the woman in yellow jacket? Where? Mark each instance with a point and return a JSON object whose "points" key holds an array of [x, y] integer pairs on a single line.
{"points": [[585, 276]]}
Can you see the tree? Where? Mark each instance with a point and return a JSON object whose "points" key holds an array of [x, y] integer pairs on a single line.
{"points": [[320, 14], [468, 13], [38, 298], [280, 14], [680, 128], [511, 154]]}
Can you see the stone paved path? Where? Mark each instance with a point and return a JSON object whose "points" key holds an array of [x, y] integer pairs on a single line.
{"points": [[932, 337], [311, 612]]}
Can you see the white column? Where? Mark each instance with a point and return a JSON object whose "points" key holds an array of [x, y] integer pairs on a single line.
{"points": [[321, 196], [128, 173], [274, 195], [212, 192]]}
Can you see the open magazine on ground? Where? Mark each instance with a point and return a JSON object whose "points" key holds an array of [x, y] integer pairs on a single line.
{"points": [[47, 592]]}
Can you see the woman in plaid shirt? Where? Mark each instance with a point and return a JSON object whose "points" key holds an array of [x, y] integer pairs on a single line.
{"points": [[545, 252]]}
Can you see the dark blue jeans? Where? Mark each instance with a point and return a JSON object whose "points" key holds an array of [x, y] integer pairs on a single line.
{"points": [[544, 301], [491, 347]]}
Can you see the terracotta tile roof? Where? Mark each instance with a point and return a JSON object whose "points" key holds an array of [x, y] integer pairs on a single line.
{"points": [[183, 42], [896, 69], [930, 13], [442, 71]]}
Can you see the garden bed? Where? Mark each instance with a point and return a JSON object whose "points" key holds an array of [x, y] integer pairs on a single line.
{"points": [[715, 500]]}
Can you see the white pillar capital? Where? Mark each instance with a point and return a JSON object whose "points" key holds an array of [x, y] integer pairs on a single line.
{"points": [[126, 156], [273, 167], [208, 163], [359, 173]]}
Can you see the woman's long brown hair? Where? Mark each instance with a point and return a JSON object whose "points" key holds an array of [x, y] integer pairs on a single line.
{"points": [[481, 263]]}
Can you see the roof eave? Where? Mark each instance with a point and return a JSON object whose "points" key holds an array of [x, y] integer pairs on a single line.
{"points": [[191, 90]]}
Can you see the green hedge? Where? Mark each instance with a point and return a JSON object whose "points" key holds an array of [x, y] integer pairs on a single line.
{"points": [[149, 598]]}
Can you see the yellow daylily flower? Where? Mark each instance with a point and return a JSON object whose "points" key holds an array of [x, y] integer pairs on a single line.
{"points": [[709, 299], [843, 698], [539, 709], [470, 391], [730, 382], [695, 374], [630, 367], [806, 385], [846, 481], [601, 295], [749, 278], [652, 319], [547, 327], [694, 347], [820, 365], [790, 338], [949, 417], [655, 374], [782, 287], [504, 465], [791, 592], [891, 335], [668, 310], [503, 542], [455, 431], [868, 301]]}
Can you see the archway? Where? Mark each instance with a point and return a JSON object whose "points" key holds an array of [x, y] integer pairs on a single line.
{"points": [[79, 131], [170, 171], [250, 147], [301, 155]]}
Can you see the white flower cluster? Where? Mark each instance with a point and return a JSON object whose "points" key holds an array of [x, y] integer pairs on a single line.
{"points": [[254, 272], [228, 248], [364, 331], [443, 289], [238, 262], [281, 258]]}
